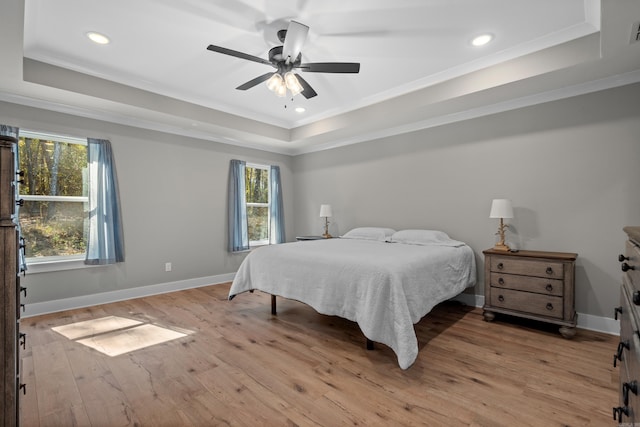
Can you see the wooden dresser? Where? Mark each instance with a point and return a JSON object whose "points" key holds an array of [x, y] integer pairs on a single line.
{"points": [[627, 355], [10, 289], [532, 284]]}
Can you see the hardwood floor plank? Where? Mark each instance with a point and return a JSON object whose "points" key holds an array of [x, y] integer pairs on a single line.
{"points": [[238, 365], [29, 399], [56, 390]]}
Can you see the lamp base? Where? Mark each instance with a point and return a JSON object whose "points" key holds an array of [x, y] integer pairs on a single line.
{"points": [[327, 236], [501, 247]]}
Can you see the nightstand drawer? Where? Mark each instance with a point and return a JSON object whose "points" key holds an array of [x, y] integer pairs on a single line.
{"points": [[528, 267], [544, 305], [528, 283]]}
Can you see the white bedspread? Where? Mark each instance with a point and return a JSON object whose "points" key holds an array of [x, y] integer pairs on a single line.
{"points": [[384, 287]]}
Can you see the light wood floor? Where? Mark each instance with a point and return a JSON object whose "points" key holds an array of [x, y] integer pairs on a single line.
{"points": [[241, 366]]}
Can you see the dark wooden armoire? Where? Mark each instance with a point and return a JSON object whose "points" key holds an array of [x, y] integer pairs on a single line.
{"points": [[10, 288]]}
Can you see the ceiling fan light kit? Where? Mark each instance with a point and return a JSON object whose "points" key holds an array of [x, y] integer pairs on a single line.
{"points": [[292, 83], [285, 59], [275, 83]]}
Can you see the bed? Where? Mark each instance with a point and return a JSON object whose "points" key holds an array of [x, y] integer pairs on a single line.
{"points": [[383, 280]]}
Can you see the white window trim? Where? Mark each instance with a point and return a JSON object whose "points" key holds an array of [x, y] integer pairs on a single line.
{"points": [[26, 197], [61, 138], [60, 263]]}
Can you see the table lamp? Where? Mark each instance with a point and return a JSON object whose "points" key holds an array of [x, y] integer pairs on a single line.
{"points": [[501, 208], [325, 212]]}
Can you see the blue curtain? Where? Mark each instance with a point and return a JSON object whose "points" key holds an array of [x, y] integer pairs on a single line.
{"points": [[276, 210], [13, 132], [237, 205], [105, 242]]}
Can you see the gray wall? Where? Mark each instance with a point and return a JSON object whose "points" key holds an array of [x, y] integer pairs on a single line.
{"points": [[571, 168], [173, 193]]}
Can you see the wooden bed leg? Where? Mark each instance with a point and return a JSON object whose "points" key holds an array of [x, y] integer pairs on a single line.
{"points": [[273, 305], [369, 344]]}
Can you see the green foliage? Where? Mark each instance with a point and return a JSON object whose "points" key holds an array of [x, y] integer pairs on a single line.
{"points": [[256, 185], [258, 222], [52, 168], [257, 191], [63, 234], [52, 165]]}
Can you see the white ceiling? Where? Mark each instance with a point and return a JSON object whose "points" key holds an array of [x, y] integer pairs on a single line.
{"points": [[418, 68]]}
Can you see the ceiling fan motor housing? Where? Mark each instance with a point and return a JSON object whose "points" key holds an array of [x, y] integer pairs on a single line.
{"points": [[276, 58]]}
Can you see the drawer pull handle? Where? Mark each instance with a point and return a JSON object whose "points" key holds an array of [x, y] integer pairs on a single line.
{"points": [[549, 270], [549, 306], [500, 266], [626, 387], [619, 411], [549, 287], [616, 311], [501, 281], [500, 298], [622, 258], [627, 267], [636, 297], [618, 356]]}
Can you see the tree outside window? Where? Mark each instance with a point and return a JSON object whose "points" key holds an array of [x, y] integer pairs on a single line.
{"points": [[257, 198], [55, 196]]}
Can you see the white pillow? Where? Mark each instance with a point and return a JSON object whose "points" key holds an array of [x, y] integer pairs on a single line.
{"points": [[370, 233], [424, 237]]}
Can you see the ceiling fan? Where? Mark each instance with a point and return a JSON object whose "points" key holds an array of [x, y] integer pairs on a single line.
{"points": [[286, 59]]}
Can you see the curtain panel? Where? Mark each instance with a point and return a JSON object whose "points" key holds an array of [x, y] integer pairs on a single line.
{"points": [[276, 210], [105, 242], [237, 208]]}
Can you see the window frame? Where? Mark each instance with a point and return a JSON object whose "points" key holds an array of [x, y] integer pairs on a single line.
{"points": [[262, 242], [55, 262]]}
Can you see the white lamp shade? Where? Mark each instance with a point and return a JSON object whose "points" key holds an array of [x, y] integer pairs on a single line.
{"points": [[325, 211], [501, 208]]}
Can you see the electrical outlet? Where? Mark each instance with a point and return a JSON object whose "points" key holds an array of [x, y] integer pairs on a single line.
{"points": [[167, 266], [635, 33]]}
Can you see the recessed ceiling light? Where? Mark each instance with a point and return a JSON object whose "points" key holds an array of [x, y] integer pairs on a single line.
{"points": [[98, 38], [300, 110], [481, 40]]}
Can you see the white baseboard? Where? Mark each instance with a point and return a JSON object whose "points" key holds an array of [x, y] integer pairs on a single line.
{"points": [[606, 325], [585, 321], [46, 307]]}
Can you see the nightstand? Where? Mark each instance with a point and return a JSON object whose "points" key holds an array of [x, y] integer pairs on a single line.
{"points": [[531, 284]]}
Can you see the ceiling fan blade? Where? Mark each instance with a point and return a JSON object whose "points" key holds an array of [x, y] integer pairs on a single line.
{"points": [[330, 67], [294, 40], [254, 82], [237, 54], [307, 90]]}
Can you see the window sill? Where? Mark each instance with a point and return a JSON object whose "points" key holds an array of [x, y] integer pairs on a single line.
{"points": [[46, 266]]}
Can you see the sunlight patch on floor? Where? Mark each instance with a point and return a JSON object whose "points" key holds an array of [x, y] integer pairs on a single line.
{"points": [[115, 335], [95, 326]]}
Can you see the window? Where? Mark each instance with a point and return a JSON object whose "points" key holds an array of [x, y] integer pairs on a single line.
{"points": [[257, 197], [255, 207], [55, 194]]}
